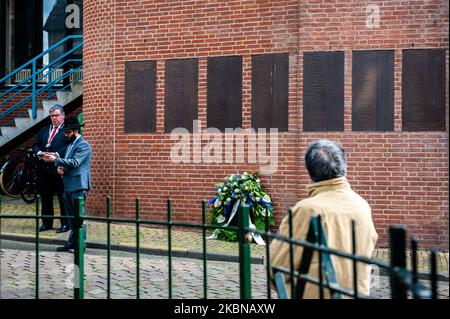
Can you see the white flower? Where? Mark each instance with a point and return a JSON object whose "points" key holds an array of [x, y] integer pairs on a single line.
{"points": [[266, 198], [231, 178], [220, 219], [225, 189], [236, 190], [217, 203], [263, 212], [245, 173], [257, 180], [257, 199], [228, 199], [219, 191], [246, 188]]}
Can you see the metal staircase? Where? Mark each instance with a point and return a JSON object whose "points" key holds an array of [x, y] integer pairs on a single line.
{"points": [[27, 93]]}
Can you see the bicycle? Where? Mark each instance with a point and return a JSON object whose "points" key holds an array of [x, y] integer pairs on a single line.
{"points": [[18, 177]]}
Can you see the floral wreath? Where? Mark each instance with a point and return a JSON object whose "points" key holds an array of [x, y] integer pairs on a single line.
{"points": [[235, 190]]}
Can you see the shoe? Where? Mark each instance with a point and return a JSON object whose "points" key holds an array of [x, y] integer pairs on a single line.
{"points": [[44, 228], [62, 229], [68, 248]]}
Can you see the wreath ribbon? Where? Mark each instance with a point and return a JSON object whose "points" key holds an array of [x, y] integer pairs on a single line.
{"points": [[257, 237]]}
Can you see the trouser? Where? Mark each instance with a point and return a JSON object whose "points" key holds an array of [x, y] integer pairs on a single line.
{"points": [[70, 202], [49, 184]]}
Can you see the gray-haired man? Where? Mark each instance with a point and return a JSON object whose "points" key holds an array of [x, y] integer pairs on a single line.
{"points": [[51, 139], [330, 196]]}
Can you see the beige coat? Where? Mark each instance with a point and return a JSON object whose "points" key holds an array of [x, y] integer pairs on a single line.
{"points": [[338, 205]]}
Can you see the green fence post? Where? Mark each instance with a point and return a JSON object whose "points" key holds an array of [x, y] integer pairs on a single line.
{"points": [[433, 274], [38, 199], [397, 241], [169, 242], [205, 275], [291, 255], [79, 248], [108, 246], [0, 244], [138, 208], [244, 252]]}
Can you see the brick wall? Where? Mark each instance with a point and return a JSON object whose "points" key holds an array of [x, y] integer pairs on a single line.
{"points": [[403, 175]]}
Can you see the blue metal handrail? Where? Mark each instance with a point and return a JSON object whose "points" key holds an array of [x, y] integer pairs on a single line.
{"points": [[37, 75]]}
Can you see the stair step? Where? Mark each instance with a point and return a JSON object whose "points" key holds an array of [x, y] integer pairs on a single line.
{"points": [[66, 97], [77, 87], [39, 114], [3, 139], [10, 131]]}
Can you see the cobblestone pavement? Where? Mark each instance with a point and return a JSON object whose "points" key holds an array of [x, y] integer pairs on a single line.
{"points": [[18, 277]]}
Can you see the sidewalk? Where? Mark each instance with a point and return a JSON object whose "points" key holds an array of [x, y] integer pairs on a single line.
{"points": [[154, 240]]}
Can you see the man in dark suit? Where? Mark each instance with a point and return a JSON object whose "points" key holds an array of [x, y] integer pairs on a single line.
{"points": [[51, 139], [75, 168]]}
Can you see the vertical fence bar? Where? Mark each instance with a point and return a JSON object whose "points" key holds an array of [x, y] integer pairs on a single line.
{"points": [[319, 241], [138, 207], [397, 241], [414, 265], [169, 242], [0, 244], [268, 268], [33, 109], [355, 269], [38, 199], [79, 248], [205, 269], [108, 247], [291, 256], [244, 252], [433, 275]]}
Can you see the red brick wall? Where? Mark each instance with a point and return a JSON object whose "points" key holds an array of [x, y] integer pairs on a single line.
{"points": [[22, 111], [403, 175]]}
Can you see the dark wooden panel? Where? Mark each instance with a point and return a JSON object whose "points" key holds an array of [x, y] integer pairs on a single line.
{"points": [[140, 97], [224, 92], [181, 98], [423, 90], [323, 91], [373, 91], [270, 91]]}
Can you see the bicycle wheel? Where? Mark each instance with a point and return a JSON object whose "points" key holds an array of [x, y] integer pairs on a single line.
{"points": [[29, 193], [11, 179]]}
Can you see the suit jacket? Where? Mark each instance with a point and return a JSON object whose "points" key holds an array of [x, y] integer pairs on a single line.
{"points": [[77, 166], [58, 145]]}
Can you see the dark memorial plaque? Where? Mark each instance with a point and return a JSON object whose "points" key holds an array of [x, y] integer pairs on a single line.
{"points": [[270, 91], [323, 91], [224, 96], [373, 91], [181, 98], [140, 97], [423, 90]]}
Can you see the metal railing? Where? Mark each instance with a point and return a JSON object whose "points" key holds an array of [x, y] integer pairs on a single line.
{"points": [[402, 279], [33, 81]]}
